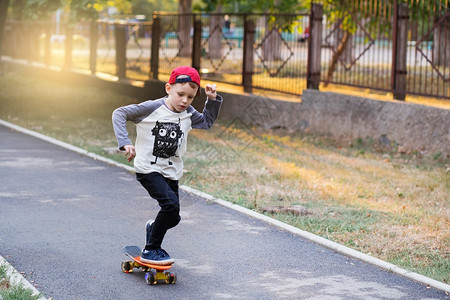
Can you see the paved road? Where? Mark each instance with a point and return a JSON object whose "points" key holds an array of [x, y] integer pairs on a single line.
{"points": [[64, 219]]}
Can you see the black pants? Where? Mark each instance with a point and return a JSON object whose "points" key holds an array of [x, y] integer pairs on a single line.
{"points": [[165, 191]]}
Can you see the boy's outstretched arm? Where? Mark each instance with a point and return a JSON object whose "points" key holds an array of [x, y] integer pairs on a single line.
{"points": [[210, 112], [210, 91]]}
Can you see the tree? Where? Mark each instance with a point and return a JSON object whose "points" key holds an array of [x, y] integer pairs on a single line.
{"points": [[216, 23], [43, 9], [34, 9], [272, 40], [341, 14], [148, 7], [184, 26], [275, 25], [3, 11], [438, 31]]}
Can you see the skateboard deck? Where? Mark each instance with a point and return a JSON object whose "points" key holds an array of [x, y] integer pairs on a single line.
{"points": [[153, 273]]}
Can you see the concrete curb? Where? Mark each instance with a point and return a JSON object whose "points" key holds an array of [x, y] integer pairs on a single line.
{"points": [[15, 278], [307, 235]]}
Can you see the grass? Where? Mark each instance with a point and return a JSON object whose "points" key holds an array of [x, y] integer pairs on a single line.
{"points": [[389, 205], [9, 291]]}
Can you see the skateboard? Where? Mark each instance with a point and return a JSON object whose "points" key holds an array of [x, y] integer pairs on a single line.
{"points": [[153, 273]]}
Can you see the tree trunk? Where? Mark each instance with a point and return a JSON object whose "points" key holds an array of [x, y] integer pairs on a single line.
{"points": [[3, 10], [441, 42], [337, 55], [414, 29], [184, 27], [271, 46], [346, 56], [215, 35]]}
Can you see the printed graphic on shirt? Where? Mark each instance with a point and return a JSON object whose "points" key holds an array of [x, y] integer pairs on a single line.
{"points": [[168, 137]]}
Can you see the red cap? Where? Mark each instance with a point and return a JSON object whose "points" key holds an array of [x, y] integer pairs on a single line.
{"points": [[185, 74]]}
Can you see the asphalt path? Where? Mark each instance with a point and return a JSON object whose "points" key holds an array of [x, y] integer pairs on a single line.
{"points": [[65, 217]]}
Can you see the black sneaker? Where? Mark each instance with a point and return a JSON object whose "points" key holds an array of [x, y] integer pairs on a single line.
{"points": [[156, 256]]}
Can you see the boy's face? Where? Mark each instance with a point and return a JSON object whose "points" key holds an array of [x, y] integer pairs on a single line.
{"points": [[180, 96]]}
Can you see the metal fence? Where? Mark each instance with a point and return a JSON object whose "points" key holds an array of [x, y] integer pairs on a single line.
{"points": [[428, 52], [371, 58], [279, 48], [279, 52], [366, 60]]}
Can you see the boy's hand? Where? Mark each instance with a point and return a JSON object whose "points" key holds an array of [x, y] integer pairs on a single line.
{"points": [[210, 91], [130, 151]]}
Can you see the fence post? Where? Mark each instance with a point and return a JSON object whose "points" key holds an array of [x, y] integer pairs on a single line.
{"points": [[47, 41], [32, 43], [4, 8], [197, 44], [93, 47], [314, 47], [69, 47], [156, 38], [247, 64], [121, 50], [400, 42]]}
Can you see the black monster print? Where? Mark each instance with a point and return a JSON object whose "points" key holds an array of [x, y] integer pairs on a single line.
{"points": [[167, 140]]}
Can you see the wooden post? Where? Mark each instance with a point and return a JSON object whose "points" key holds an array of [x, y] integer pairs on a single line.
{"points": [[8, 40], [156, 38], [47, 41], [247, 67], [3, 10], [197, 45], [93, 47], [314, 47], [32, 42], [400, 44], [121, 50], [69, 47]]}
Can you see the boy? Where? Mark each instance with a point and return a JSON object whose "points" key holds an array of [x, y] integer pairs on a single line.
{"points": [[162, 129]]}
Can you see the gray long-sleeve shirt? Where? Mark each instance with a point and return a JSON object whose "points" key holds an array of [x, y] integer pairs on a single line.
{"points": [[161, 133]]}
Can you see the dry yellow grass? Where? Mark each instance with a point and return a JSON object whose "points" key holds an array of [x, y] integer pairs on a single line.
{"points": [[403, 201]]}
